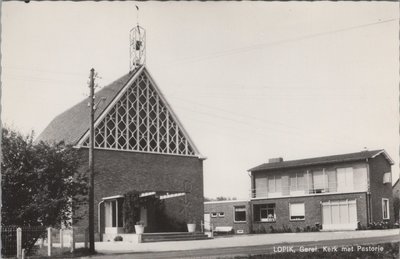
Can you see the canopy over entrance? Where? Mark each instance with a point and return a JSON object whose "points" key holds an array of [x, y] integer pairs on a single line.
{"points": [[162, 195], [110, 210]]}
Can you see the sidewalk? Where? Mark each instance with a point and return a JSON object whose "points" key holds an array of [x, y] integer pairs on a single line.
{"points": [[237, 241]]}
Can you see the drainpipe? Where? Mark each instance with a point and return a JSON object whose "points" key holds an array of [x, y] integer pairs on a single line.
{"points": [[369, 208], [250, 209]]}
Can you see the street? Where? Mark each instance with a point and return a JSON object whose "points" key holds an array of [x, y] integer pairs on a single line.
{"points": [[298, 244]]}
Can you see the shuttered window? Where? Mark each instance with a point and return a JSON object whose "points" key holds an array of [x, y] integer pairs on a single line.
{"points": [[297, 211]]}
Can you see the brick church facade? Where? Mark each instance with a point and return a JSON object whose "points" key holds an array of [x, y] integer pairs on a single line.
{"points": [[140, 145]]}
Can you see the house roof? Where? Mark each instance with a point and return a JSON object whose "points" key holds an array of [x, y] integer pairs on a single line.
{"points": [[323, 160], [72, 124], [396, 183]]}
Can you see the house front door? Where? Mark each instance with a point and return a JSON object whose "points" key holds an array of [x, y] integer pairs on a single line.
{"points": [[113, 216]]}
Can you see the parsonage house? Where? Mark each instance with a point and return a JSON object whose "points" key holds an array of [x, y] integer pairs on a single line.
{"points": [[336, 192], [141, 146]]}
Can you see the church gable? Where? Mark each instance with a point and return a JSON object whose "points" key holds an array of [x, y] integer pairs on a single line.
{"points": [[141, 120]]}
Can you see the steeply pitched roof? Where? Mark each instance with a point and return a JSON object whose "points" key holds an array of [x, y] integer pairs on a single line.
{"points": [[135, 116], [74, 122], [322, 160]]}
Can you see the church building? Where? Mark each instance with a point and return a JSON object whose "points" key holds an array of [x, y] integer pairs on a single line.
{"points": [[140, 145]]}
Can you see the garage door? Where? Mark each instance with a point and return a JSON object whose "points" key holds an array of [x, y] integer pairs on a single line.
{"points": [[339, 215]]}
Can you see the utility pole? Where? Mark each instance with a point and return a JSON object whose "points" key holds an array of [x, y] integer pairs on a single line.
{"points": [[91, 164]]}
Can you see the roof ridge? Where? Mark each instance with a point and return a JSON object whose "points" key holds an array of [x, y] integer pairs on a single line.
{"points": [[314, 160]]}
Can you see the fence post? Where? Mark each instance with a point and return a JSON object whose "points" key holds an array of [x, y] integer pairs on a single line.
{"points": [[23, 253], [202, 226], [19, 242], [72, 240], [49, 241], [61, 239], [212, 230]]}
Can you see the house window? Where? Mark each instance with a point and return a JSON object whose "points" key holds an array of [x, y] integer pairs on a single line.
{"points": [[213, 214], [221, 214], [319, 180], [385, 208], [344, 179], [274, 186], [264, 212], [387, 178], [260, 183], [297, 184], [240, 213], [297, 211]]}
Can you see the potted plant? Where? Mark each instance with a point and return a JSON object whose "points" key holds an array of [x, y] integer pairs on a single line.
{"points": [[191, 226], [139, 227]]}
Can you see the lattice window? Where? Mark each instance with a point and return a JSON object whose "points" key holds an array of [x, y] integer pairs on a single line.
{"points": [[140, 121]]}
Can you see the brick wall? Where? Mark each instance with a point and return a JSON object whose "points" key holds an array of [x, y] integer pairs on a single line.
{"points": [[377, 167], [118, 172], [227, 207], [313, 211]]}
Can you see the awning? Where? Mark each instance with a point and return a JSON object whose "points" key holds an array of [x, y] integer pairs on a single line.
{"points": [[162, 195]]}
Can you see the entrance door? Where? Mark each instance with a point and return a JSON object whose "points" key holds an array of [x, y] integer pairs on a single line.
{"points": [[339, 215], [207, 224], [113, 216]]}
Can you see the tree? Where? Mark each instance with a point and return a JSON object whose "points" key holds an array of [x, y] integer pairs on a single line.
{"points": [[41, 183]]}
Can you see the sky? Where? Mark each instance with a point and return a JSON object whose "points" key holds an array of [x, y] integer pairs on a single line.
{"points": [[248, 80]]}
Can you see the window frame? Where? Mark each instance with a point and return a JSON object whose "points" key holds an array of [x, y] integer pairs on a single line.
{"points": [[234, 214], [213, 214], [347, 187], [290, 211], [298, 188], [387, 208], [274, 178], [221, 214], [266, 208]]}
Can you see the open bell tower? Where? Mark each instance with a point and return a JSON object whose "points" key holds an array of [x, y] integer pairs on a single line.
{"points": [[137, 42]]}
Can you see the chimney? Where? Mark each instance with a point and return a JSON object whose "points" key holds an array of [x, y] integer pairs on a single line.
{"points": [[275, 160]]}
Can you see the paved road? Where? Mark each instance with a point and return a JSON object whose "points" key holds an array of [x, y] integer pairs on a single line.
{"points": [[228, 252]]}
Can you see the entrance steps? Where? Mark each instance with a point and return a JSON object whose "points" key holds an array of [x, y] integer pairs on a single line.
{"points": [[173, 236]]}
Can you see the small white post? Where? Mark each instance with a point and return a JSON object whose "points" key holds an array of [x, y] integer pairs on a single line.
{"points": [[49, 241], [61, 239], [19, 242], [23, 253], [41, 242], [212, 230], [72, 240]]}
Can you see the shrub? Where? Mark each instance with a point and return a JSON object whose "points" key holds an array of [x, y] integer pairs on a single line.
{"points": [[272, 230]]}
